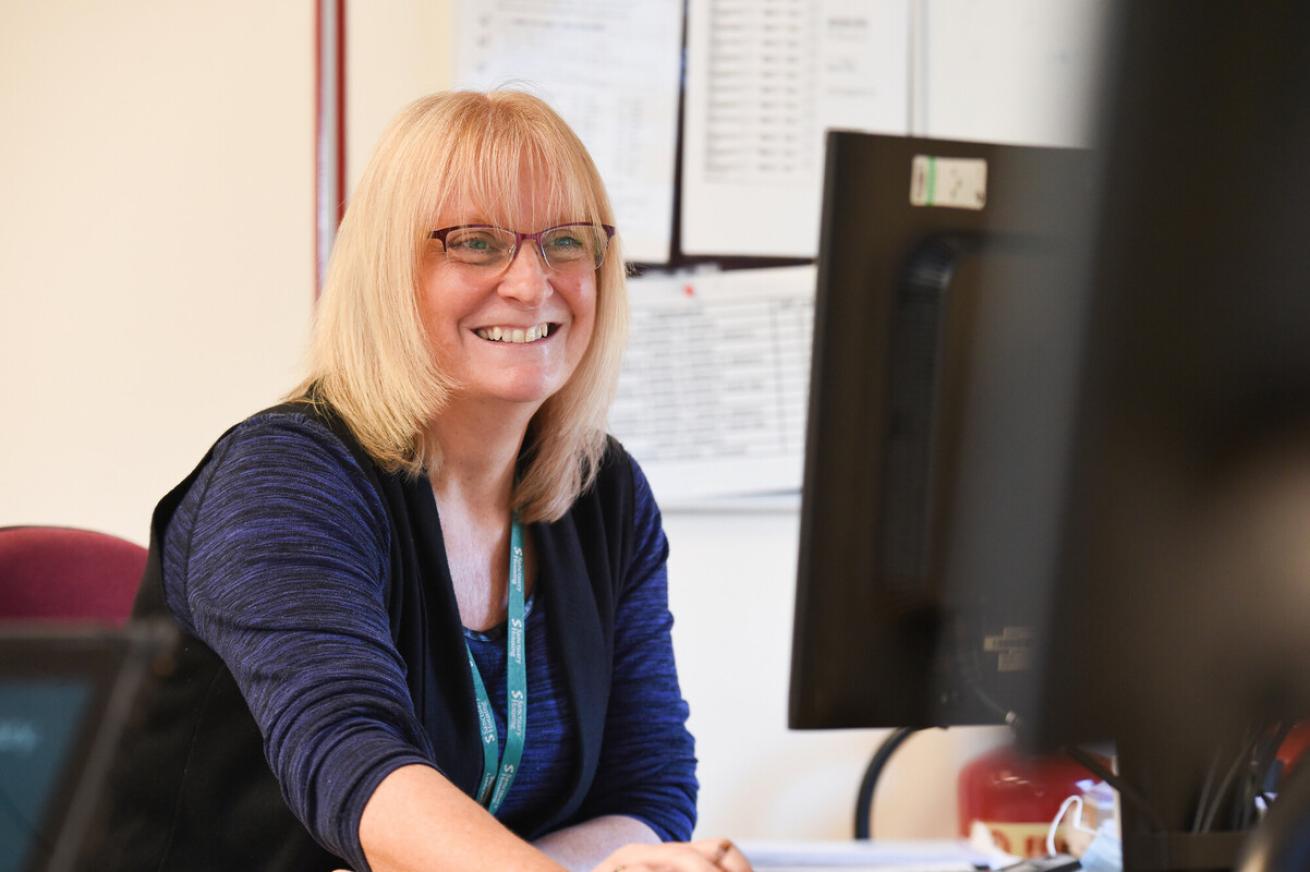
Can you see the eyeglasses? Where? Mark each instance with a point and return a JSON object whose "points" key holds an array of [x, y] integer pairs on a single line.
{"points": [[565, 247]]}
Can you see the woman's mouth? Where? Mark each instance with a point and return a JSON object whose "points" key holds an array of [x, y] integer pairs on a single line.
{"points": [[517, 335]]}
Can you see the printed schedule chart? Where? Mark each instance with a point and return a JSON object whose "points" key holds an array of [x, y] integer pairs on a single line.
{"points": [[713, 393]]}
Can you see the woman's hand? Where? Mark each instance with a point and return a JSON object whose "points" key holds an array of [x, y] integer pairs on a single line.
{"points": [[704, 855]]}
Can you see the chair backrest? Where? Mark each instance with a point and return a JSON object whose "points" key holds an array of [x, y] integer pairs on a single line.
{"points": [[64, 574]]}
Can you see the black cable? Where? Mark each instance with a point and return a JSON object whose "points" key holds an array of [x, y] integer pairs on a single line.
{"points": [[1204, 798], [1217, 800], [1126, 790], [864, 799]]}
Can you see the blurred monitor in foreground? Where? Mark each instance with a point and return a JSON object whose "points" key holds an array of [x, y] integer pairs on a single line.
{"points": [[67, 695], [1058, 466]]}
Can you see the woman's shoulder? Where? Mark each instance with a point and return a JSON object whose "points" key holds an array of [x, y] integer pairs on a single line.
{"points": [[304, 418], [616, 472], [614, 457], [277, 481], [289, 445], [618, 463], [288, 431]]}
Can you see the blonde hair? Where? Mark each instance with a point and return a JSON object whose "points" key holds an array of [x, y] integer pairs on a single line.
{"points": [[459, 153]]}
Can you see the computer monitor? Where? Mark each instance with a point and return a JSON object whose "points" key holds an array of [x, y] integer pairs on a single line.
{"points": [[1119, 476], [946, 307], [67, 695]]}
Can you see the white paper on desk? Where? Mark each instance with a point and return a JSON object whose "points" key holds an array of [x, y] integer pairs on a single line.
{"points": [[875, 856], [611, 71], [713, 394], [765, 79]]}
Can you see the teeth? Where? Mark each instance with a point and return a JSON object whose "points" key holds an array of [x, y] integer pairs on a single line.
{"points": [[516, 335]]}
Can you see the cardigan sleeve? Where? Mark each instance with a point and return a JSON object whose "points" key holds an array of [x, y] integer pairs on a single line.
{"points": [[278, 559], [647, 767]]}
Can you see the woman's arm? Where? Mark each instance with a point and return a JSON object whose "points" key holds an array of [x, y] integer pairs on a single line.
{"points": [[580, 847], [645, 785], [647, 768], [416, 820], [278, 559]]}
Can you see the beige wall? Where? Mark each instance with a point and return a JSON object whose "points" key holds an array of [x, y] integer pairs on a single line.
{"points": [[155, 285], [732, 582], [156, 260], [397, 51]]}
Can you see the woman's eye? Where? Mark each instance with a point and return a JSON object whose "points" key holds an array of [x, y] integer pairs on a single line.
{"points": [[566, 241], [474, 243]]}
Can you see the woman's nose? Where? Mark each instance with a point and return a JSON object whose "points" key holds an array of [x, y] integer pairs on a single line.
{"points": [[527, 278]]}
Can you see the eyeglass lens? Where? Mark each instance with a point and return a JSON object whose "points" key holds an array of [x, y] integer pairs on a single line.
{"points": [[571, 246]]}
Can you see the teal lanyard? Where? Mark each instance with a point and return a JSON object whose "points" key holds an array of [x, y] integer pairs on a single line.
{"points": [[500, 772]]}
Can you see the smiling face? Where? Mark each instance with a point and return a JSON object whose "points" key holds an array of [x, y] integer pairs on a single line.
{"points": [[506, 336]]}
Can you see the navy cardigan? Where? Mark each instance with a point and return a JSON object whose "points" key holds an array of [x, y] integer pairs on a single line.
{"points": [[193, 790]]}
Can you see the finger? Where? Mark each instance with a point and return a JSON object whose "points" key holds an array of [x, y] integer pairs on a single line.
{"points": [[733, 860], [723, 854]]}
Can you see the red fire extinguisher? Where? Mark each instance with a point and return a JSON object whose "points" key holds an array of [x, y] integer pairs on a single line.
{"points": [[1016, 797], [1292, 752]]}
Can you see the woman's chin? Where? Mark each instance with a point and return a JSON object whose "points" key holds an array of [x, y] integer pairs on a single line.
{"points": [[523, 393]]}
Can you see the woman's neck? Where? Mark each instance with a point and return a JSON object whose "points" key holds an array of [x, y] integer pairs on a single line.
{"points": [[473, 485], [479, 453]]}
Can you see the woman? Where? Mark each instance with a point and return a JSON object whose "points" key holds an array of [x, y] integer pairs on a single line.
{"points": [[358, 572]]}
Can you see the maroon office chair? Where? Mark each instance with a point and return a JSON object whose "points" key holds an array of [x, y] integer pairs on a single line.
{"points": [[64, 574]]}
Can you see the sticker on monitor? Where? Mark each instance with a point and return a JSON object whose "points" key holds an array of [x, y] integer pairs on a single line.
{"points": [[950, 182]]}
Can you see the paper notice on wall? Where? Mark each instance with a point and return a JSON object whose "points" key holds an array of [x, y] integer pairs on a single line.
{"points": [[611, 70], [713, 394], [765, 80]]}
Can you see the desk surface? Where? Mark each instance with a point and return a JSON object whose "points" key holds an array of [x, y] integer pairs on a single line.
{"points": [[876, 856]]}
